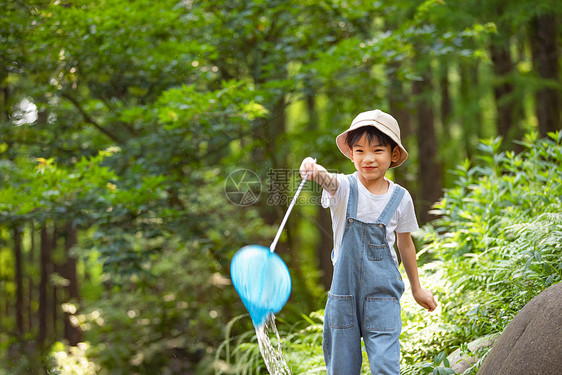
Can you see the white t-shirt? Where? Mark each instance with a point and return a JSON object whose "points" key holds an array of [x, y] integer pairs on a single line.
{"points": [[369, 209]]}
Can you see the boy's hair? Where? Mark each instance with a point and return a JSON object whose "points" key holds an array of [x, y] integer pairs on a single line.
{"points": [[373, 135]]}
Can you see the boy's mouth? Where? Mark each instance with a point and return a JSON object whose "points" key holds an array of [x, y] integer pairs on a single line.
{"points": [[369, 168]]}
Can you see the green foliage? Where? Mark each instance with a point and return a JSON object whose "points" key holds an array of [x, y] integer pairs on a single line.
{"points": [[50, 187], [169, 312], [144, 108]]}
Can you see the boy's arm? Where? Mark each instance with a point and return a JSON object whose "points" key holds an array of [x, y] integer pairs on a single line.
{"points": [[408, 254], [318, 173]]}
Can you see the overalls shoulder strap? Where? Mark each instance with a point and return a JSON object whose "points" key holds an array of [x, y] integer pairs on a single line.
{"points": [[352, 199], [392, 205]]}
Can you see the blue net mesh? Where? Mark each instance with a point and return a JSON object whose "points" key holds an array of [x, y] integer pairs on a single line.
{"points": [[262, 280]]}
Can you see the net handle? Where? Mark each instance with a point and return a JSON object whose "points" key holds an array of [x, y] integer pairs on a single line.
{"points": [[276, 239]]}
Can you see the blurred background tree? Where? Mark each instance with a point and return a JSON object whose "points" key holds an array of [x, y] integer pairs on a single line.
{"points": [[120, 123]]}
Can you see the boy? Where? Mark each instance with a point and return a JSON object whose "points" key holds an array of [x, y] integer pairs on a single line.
{"points": [[367, 209]]}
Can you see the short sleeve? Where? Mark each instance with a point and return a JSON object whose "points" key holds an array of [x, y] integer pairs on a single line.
{"points": [[329, 201], [407, 221]]}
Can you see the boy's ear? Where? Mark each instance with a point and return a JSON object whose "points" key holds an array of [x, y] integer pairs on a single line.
{"points": [[395, 154]]}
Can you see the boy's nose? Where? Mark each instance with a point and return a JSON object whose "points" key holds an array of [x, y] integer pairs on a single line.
{"points": [[370, 157]]}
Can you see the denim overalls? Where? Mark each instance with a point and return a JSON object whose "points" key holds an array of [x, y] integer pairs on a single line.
{"points": [[364, 300]]}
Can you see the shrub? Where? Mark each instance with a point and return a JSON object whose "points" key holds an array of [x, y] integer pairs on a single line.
{"points": [[495, 246]]}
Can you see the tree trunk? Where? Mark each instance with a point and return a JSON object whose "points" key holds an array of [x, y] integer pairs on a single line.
{"points": [[397, 106], [271, 152], [313, 120], [544, 49], [71, 333], [19, 281], [508, 113], [325, 246], [47, 296], [429, 168], [54, 268], [30, 286], [275, 132], [45, 262], [54, 310], [2, 298], [470, 111], [446, 102], [323, 221]]}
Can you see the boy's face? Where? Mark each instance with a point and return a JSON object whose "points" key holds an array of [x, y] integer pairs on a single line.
{"points": [[372, 160]]}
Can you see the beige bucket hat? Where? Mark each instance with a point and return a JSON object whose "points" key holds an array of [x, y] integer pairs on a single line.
{"points": [[380, 120]]}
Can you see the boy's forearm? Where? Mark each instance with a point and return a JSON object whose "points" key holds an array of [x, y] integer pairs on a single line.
{"points": [[408, 252], [408, 255], [327, 180]]}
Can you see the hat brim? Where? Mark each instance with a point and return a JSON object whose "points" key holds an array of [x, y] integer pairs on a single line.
{"points": [[341, 141]]}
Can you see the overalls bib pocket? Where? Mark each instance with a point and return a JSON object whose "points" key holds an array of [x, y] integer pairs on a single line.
{"points": [[382, 314], [340, 311], [376, 252]]}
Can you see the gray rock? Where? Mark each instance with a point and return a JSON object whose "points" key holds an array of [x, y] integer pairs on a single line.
{"points": [[531, 344]]}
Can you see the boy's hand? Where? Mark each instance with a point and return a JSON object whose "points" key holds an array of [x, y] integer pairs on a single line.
{"points": [[308, 165], [425, 299], [318, 173]]}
